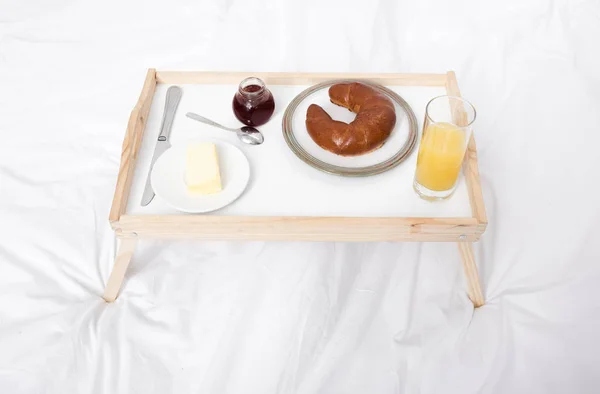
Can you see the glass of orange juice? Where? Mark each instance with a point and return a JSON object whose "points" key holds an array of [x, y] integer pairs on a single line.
{"points": [[446, 131]]}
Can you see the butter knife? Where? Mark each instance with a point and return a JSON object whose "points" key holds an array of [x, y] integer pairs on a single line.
{"points": [[171, 103]]}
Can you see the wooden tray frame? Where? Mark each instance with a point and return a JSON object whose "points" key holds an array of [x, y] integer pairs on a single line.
{"points": [[130, 228]]}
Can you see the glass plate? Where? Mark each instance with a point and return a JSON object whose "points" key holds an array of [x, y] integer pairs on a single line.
{"points": [[396, 149]]}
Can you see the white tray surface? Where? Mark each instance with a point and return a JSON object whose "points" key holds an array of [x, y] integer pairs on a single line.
{"points": [[280, 183]]}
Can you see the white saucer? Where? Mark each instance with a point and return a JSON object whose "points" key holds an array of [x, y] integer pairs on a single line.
{"points": [[168, 178]]}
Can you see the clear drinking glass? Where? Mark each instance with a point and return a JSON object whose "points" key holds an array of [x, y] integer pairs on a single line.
{"points": [[446, 131]]}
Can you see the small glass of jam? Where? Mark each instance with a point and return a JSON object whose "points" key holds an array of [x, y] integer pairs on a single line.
{"points": [[253, 103]]}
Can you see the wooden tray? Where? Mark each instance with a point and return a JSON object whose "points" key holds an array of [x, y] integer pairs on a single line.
{"points": [[262, 213]]}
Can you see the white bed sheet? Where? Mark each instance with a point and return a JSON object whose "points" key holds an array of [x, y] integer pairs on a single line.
{"points": [[299, 317]]}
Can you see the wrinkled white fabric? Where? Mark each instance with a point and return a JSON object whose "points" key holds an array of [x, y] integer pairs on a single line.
{"points": [[255, 317]]}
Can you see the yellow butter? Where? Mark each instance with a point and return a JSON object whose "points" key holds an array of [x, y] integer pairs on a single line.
{"points": [[202, 174]]}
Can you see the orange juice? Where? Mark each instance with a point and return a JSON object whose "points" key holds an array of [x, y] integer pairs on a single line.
{"points": [[440, 156]]}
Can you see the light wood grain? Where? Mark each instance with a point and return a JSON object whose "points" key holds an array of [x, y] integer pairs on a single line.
{"points": [[212, 227], [131, 147], [278, 78], [124, 255], [470, 166], [470, 268]]}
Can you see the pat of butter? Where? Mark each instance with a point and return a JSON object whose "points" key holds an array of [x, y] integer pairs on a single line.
{"points": [[202, 174]]}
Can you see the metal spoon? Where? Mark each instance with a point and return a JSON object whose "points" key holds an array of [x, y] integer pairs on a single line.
{"points": [[247, 134]]}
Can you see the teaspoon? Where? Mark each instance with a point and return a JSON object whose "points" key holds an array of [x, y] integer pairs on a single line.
{"points": [[247, 134]]}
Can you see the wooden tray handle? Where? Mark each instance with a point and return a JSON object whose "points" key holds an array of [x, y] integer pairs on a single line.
{"points": [[131, 147]]}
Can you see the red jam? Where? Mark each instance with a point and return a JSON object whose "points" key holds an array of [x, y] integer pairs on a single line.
{"points": [[253, 103]]}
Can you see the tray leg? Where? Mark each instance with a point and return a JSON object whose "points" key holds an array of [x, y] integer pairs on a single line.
{"points": [[474, 286], [117, 275]]}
